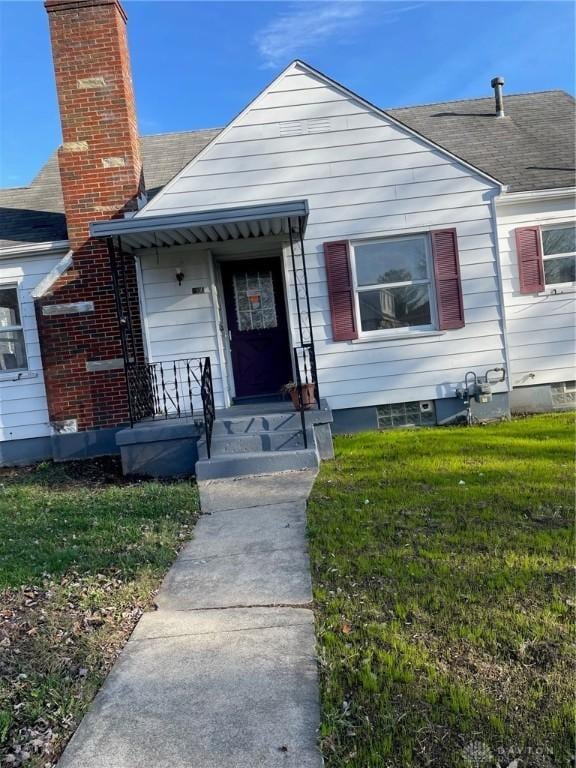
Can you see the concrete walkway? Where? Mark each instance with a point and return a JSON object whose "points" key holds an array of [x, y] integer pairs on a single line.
{"points": [[224, 674]]}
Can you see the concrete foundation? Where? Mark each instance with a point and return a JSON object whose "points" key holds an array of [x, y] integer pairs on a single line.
{"points": [[69, 446], [541, 398], [160, 449], [17, 453], [449, 410]]}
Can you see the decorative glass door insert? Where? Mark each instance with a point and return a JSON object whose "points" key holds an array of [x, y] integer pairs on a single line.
{"points": [[254, 300]]}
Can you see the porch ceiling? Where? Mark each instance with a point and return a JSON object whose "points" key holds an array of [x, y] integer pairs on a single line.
{"points": [[213, 226]]}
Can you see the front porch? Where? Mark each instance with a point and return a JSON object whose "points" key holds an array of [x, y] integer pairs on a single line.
{"points": [[247, 439], [226, 319]]}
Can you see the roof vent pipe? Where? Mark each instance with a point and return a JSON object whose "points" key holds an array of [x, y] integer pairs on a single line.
{"points": [[497, 83]]}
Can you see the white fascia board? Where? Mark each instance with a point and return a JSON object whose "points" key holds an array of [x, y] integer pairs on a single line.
{"points": [[48, 281], [535, 195], [33, 249]]}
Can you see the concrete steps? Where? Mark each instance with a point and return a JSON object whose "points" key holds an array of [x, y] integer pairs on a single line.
{"points": [[257, 424], [256, 444], [258, 463]]}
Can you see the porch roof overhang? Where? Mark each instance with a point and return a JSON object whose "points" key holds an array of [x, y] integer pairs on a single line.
{"points": [[213, 226]]}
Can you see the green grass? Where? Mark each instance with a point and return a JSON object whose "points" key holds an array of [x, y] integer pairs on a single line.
{"points": [[82, 552], [443, 581]]}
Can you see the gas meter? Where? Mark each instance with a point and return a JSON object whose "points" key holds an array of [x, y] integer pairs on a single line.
{"points": [[479, 388]]}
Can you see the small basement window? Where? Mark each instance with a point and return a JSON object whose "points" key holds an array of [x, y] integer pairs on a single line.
{"points": [[564, 393], [394, 284], [559, 254], [415, 414], [12, 347]]}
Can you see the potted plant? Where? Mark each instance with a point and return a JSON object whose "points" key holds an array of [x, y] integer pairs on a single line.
{"points": [[307, 395]]}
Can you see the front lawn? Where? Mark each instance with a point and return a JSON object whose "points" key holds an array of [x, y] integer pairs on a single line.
{"points": [[82, 552], [444, 588]]}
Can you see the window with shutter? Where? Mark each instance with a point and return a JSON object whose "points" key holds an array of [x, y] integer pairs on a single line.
{"points": [[397, 284]]}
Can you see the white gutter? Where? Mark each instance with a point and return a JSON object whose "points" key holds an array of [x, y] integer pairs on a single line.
{"points": [[537, 194], [33, 248], [48, 281]]}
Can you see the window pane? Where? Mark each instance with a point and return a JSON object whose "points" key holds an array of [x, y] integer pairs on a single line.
{"points": [[560, 270], [12, 351], [395, 307], [392, 261], [561, 240], [9, 312]]}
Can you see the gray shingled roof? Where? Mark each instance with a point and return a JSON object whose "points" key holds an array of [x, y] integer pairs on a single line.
{"points": [[531, 148], [35, 214]]}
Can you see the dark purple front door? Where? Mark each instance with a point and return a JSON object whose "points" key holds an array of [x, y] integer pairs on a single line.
{"points": [[256, 314]]}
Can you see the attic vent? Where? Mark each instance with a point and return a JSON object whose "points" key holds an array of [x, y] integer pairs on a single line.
{"points": [[301, 127]]}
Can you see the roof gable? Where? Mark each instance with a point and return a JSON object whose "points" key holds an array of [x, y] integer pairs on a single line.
{"points": [[281, 111]]}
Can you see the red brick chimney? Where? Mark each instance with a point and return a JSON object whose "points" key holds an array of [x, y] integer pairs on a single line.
{"points": [[101, 174]]}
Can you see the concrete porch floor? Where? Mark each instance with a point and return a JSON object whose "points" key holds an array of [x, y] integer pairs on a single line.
{"points": [[237, 410]]}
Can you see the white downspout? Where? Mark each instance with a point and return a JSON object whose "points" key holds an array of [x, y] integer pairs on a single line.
{"points": [[500, 281]]}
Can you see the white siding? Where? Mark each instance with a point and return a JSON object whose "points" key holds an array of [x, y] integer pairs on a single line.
{"points": [[178, 323], [23, 407], [364, 177], [541, 327]]}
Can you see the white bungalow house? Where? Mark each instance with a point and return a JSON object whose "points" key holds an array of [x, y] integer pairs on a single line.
{"points": [[416, 266]]}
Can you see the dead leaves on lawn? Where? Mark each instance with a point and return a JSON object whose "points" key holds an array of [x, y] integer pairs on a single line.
{"points": [[57, 642]]}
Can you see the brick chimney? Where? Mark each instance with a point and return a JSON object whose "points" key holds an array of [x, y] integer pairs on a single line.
{"points": [[101, 175]]}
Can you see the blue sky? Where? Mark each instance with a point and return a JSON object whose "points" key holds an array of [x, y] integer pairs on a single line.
{"points": [[197, 64]]}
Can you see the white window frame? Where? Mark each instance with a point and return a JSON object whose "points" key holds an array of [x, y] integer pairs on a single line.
{"points": [[406, 329], [570, 254], [3, 329]]}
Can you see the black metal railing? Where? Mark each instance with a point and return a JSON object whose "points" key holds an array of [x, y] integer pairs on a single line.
{"points": [[308, 393], [208, 405], [171, 390]]}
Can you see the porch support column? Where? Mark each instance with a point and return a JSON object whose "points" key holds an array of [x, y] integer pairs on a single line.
{"points": [[295, 274], [122, 322], [312, 348]]}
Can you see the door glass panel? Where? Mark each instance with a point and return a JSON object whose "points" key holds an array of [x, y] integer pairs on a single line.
{"points": [[254, 300]]}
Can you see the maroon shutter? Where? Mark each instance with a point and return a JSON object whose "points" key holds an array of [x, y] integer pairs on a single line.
{"points": [[340, 290], [530, 266], [447, 279]]}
